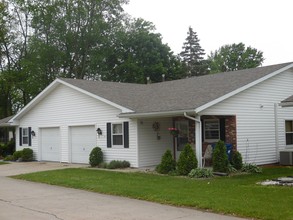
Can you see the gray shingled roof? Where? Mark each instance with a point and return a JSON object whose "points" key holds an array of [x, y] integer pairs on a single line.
{"points": [[4, 121], [184, 94]]}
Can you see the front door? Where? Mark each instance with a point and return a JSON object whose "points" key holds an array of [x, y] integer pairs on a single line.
{"points": [[182, 138]]}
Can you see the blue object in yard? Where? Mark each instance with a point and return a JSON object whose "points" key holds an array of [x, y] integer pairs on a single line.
{"points": [[229, 148]]}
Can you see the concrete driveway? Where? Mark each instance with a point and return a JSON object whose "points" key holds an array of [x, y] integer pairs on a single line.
{"points": [[27, 201]]}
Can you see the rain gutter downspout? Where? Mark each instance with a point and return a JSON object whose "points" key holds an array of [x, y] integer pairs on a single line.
{"points": [[198, 145], [276, 130]]}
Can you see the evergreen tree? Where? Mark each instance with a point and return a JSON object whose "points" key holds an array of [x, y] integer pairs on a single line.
{"points": [[192, 55]]}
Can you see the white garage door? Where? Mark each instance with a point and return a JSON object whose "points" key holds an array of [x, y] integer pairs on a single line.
{"points": [[83, 140], [50, 143]]}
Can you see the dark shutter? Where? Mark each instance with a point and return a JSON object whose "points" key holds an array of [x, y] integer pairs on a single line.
{"points": [[126, 134], [29, 136], [20, 136], [222, 130], [109, 135]]}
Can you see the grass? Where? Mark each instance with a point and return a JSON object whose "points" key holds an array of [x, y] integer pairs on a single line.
{"points": [[236, 195], [2, 163]]}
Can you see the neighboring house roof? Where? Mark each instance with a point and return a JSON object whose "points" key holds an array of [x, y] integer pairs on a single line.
{"points": [[186, 95], [4, 122], [287, 102]]}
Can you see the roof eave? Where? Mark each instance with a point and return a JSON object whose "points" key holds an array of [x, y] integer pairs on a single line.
{"points": [[51, 87], [228, 95], [157, 114], [286, 104]]}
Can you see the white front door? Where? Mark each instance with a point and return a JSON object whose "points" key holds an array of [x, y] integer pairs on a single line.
{"points": [[50, 144], [182, 138], [83, 140]]}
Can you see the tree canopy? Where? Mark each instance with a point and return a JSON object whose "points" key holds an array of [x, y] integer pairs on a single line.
{"points": [[234, 57]]}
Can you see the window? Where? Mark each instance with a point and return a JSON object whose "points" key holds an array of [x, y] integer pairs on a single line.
{"points": [[24, 135], [289, 132], [211, 130], [117, 134]]}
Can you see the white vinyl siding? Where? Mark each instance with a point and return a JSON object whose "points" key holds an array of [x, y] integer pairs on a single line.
{"points": [[150, 147], [254, 110], [66, 107]]}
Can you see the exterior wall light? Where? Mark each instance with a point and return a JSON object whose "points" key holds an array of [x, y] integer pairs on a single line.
{"points": [[33, 133], [99, 131]]}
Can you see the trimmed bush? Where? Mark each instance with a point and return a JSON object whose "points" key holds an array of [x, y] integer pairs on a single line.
{"points": [[168, 164], [187, 160], [96, 157], [17, 155], [118, 164], [220, 158], [27, 154], [200, 173], [236, 160]]}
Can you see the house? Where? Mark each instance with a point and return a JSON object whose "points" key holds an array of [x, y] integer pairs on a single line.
{"points": [[130, 121], [6, 132]]}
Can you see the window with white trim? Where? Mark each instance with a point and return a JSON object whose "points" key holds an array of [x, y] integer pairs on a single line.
{"points": [[25, 136], [211, 130], [289, 132], [117, 134]]}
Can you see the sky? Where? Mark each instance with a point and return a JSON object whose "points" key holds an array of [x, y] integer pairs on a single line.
{"points": [[266, 25]]}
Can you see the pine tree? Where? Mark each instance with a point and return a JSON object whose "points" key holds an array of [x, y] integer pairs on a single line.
{"points": [[192, 55]]}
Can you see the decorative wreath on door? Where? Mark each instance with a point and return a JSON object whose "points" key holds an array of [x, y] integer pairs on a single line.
{"points": [[156, 126]]}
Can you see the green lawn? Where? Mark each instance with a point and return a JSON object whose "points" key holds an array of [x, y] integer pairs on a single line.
{"points": [[2, 163], [237, 195]]}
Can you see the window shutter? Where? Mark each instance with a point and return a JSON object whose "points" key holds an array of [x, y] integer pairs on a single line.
{"points": [[29, 136], [126, 134], [20, 136], [109, 135], [222, 129]]}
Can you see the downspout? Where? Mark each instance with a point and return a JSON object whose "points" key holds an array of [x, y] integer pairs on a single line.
{"points": [[276, 130], [197, 135]]}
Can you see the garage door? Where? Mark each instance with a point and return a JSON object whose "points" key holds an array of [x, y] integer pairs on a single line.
{"points": [[50, 143], [83, 140]]}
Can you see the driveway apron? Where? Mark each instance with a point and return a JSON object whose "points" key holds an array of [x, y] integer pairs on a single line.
{"points": [[28, 200]]}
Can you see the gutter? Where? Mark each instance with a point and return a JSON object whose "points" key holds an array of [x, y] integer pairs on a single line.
{"points": [[276, 130], [197, 135], [155, 114]]}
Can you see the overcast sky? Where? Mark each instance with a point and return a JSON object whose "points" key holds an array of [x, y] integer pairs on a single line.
{"points": [[266, 25]]}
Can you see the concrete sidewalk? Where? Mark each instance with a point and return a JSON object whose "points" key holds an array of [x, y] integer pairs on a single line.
{"points": [[27, 200]]}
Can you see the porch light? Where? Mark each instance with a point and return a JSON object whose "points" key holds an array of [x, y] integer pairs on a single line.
{"points": [[99, 131], [33, 133]]}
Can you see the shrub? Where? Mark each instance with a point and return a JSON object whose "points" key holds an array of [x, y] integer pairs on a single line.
{"points": [[236, 160], [8, 158], [220, 158], [27, 154], [103, 165], [187, 160], [96, 157], [251, 168], [168, 164], [7, 149], [231, 169], [200, 173], [117, 164], [17, 155]]}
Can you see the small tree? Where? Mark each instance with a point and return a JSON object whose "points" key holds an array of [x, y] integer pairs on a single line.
{"points": [[167, 164], [96, 157], [220, 158], [236, 160], [187, 160]]}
